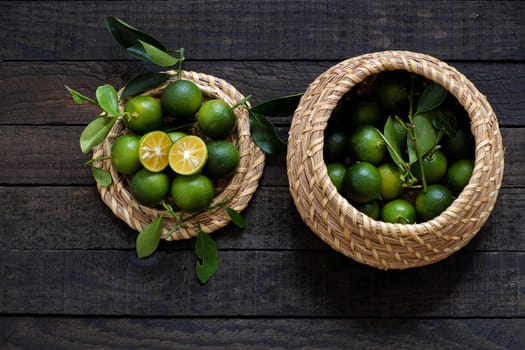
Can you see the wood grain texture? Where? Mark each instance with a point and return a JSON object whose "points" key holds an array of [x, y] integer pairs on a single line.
{"points": [[259, 283], [70, 278], [76, 218], [463, 30], [28, 332], [47, 101]]}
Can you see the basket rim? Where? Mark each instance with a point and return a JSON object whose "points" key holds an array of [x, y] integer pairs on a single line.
{"points": [[237, 190], [324, 215]]}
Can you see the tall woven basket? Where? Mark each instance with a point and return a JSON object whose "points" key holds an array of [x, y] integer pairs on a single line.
{"points": [[354, 234], [238, 190]]}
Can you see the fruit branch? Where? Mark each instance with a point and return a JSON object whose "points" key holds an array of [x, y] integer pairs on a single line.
{"points": [[181, 220], [411, 131]]}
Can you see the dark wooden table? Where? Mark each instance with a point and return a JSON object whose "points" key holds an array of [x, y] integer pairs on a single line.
{"points": [[67, 270]]}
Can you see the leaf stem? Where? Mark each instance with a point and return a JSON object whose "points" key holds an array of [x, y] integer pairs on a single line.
{"points": [[242, 102], [401, 122], [179, 127], [182, 58], [79, 98], [169, 210], [91, 161], [180, 219], [400, 161]]}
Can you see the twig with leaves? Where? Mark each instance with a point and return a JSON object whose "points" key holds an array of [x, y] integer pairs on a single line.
{"points": [[420, 134], [148, 49]]}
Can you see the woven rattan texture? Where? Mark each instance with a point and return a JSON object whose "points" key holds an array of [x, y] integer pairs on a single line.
{"points": [[345, 229], [239, 189]]}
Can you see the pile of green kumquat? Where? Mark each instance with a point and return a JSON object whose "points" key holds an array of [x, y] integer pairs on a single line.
{"points": [[399, 148]]}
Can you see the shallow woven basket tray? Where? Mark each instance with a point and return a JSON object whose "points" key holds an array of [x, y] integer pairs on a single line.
{"points": [[239, 188], [352, 233]]}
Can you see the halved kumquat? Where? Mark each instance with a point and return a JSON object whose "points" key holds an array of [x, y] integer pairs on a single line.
{"points": [[153, 150], [188, 155]]}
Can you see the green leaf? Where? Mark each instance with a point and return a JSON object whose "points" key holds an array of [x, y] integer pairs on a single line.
{"points": [[148, 239], [139, 52], [159, 57], [236, 218], [79, 98], [264, 134], [394, 135], [431, 98], [143, 82], [101, 176], [108, 99], [128, 36], [95, 132], [425, 135], [445, 120], [208, 257], [279, 107]]}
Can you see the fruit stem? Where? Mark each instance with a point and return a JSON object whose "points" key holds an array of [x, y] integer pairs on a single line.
{"points": [[421, 168], [402, 220], [439, 136], [412, 133]]}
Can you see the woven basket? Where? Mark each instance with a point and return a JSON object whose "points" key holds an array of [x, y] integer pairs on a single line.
{"points": [[238, 189], [352, 233]]}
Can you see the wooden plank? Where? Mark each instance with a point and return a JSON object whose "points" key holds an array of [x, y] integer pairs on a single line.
{"points": [[69, 276], [54, 148], [51, 155], [462, 30], [259, 283], [501, 82], [29, 332], [76, 218]]}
